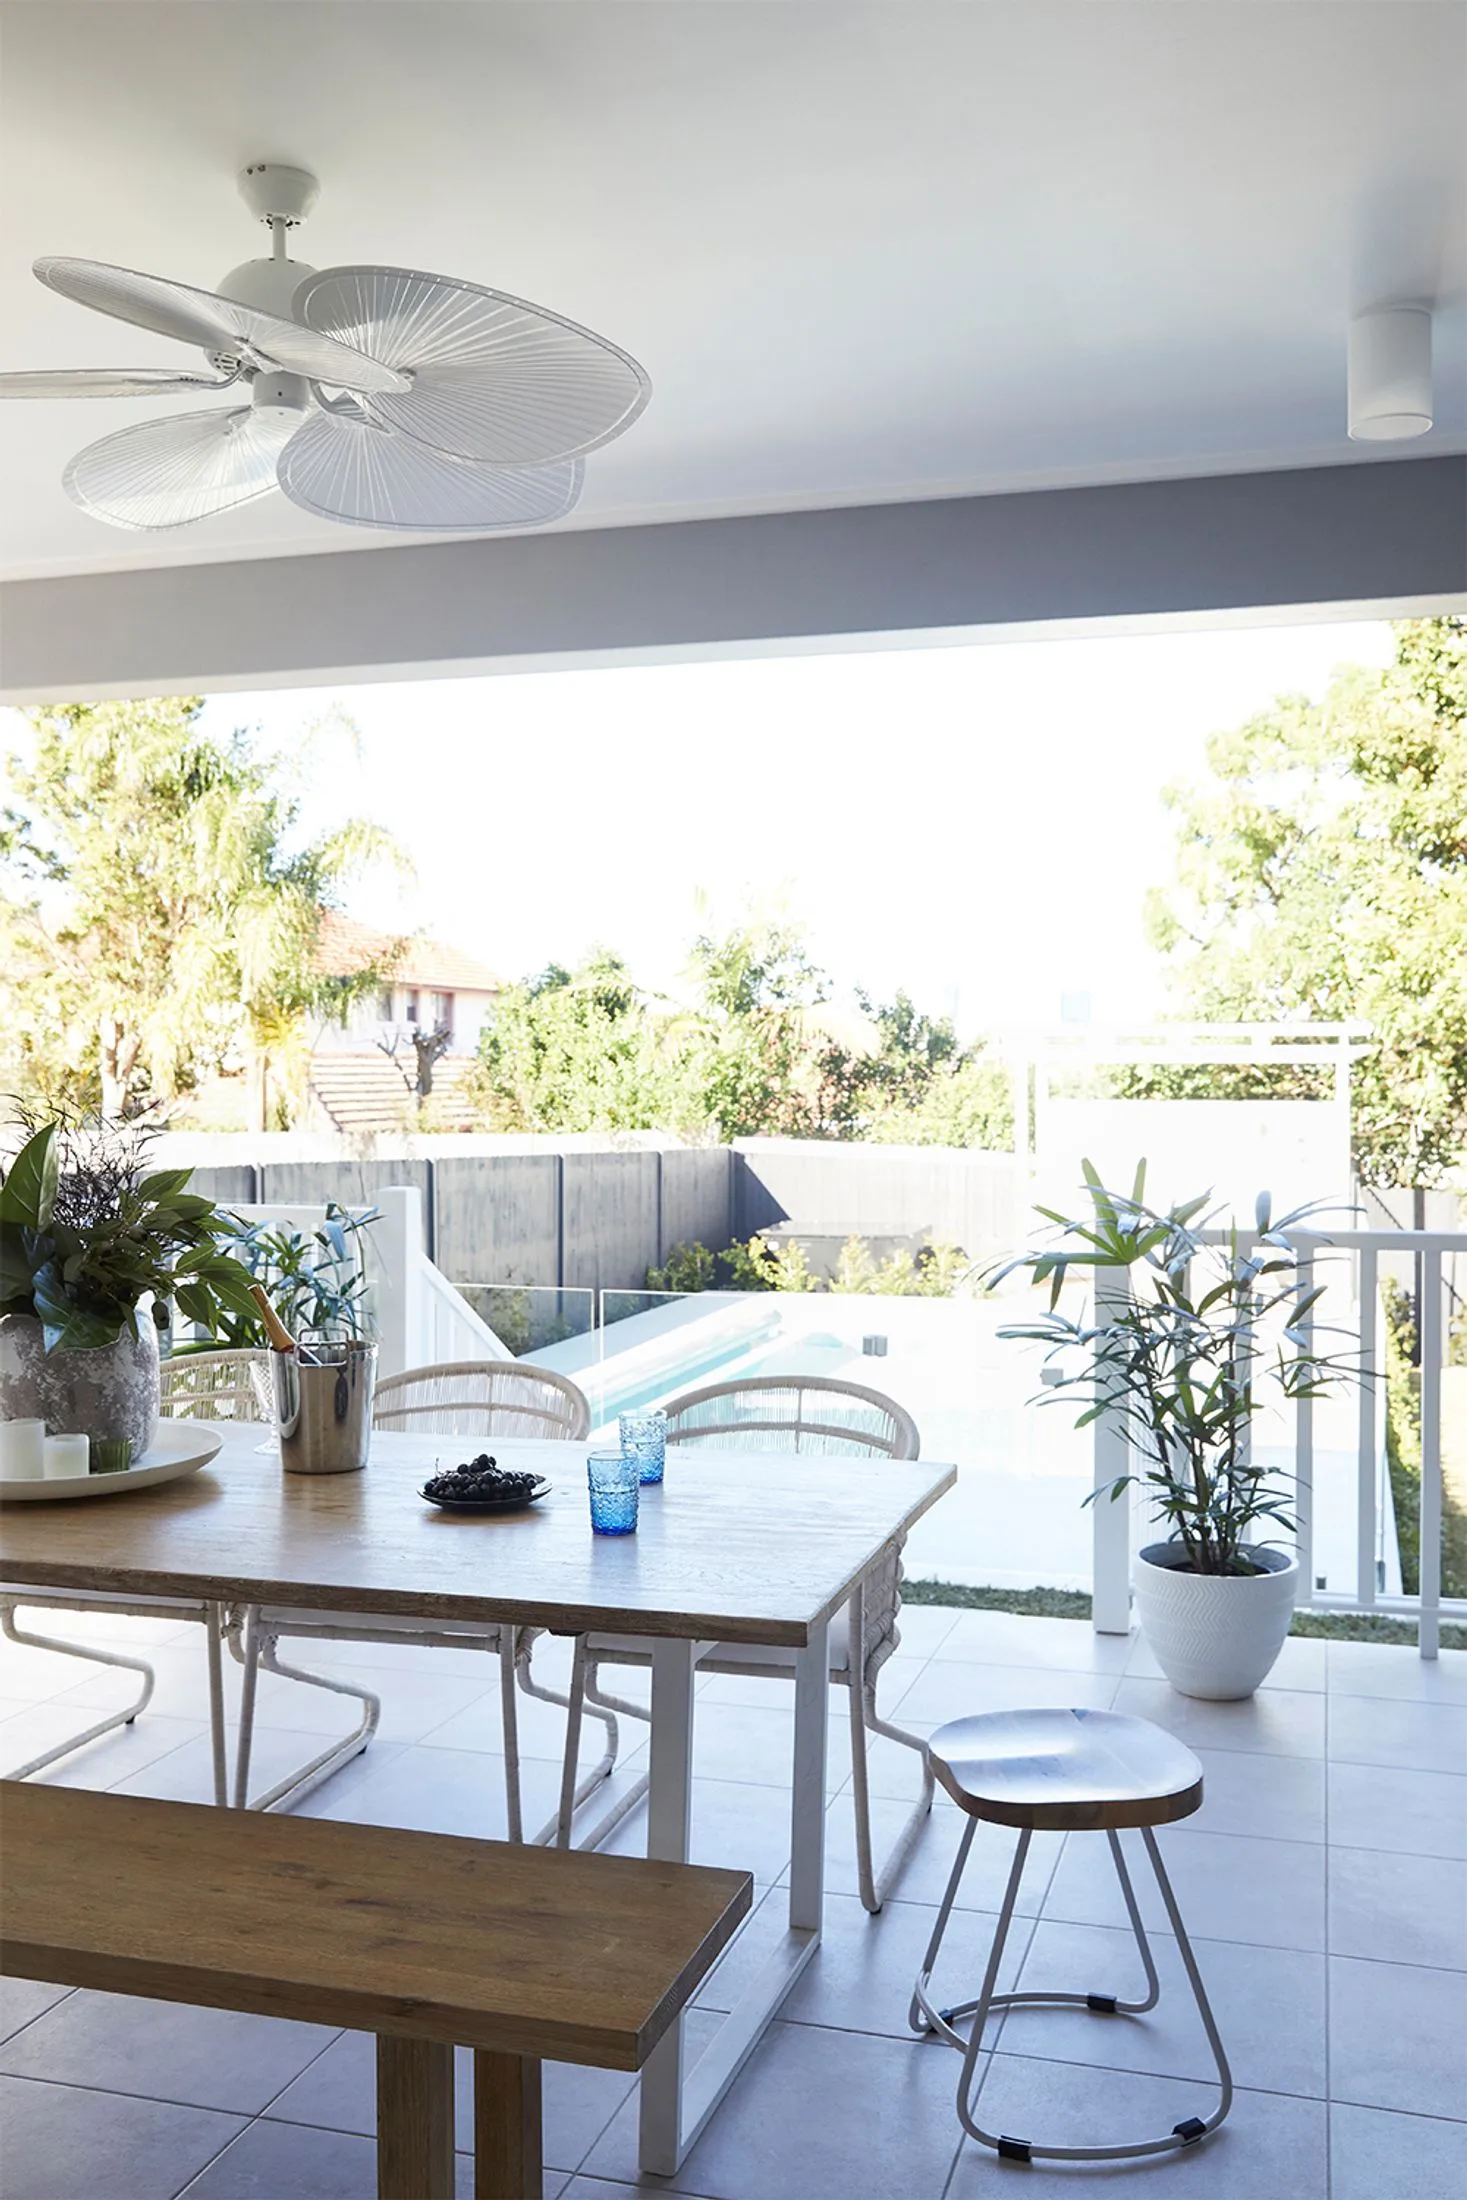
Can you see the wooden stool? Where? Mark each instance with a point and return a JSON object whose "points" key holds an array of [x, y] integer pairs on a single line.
{"points": [[1069, 1771]]}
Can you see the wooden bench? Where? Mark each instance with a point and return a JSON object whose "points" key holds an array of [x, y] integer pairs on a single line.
{"points": [[428, 1940]]}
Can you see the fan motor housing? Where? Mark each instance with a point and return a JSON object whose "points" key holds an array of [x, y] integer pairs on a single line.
{"points": [[267, 285]]}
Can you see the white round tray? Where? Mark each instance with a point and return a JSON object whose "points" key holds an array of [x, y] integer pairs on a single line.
{"points": [[180, 1447]]}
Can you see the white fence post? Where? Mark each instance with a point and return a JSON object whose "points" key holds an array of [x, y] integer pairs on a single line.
{"points": [[1429, 1330], [1110, 1522], [395, 1260]]}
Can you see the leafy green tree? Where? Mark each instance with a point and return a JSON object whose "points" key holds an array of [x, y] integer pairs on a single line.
{"points": [[1323, 873], [156, 908], [580, 1050], [755, 1052]]}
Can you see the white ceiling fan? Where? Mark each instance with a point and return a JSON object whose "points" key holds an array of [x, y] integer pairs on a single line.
{"points": [[377, 396]]}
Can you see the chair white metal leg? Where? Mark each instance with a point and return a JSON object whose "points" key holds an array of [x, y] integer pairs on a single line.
{"points": [[509, 1712], [572, 1704], [874, 1890], [27, 1637], [257, 1654], [585, 1694], [32, 1641], [924, 2017]]}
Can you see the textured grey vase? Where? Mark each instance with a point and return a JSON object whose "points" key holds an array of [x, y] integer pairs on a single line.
{"points": [[106, 1394]]}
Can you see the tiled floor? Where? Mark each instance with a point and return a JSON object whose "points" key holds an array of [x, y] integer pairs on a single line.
{"points": [[1325, 1880]]}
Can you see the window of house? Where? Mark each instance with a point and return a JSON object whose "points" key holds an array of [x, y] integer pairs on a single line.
{"points": [[442, 1004], [384, 1005], [410, 1011]]}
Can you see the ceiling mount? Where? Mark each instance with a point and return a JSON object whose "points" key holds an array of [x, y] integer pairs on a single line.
{"points": [[274, 192]]}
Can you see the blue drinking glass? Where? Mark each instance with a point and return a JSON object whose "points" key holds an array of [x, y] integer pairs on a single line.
{"points": [[613, 1482], [644, 1438]]}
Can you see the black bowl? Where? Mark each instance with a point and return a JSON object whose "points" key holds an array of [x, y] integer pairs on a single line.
{"points": [[488, 1504]]}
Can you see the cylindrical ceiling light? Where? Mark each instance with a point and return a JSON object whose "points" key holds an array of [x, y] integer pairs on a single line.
{"points": [[1390, 374]]}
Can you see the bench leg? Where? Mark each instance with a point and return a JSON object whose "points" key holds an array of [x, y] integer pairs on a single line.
{"points": [[414, 2119], [507, 2140]]}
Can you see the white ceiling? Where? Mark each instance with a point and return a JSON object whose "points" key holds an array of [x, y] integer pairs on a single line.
{"points": [[864, 252]]}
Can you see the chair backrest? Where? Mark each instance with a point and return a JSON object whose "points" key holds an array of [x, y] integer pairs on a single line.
{"points": [[216, 1386], [482, 1398], [801, 1413], [815, 1416]]}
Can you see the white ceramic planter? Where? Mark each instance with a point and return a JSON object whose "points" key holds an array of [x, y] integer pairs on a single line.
{"points": [[1214, 1635]]}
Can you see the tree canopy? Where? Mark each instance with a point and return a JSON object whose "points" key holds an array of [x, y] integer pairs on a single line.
{"points": [[753, 1052], [157, 907], [1323, 872]]}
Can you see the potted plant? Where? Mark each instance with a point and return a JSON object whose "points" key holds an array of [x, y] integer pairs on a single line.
{"points": [[93, 1245], [1203, 1338]]}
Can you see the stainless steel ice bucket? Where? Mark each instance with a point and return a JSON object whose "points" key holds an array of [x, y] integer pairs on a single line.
{"points": [[323, 1407]]}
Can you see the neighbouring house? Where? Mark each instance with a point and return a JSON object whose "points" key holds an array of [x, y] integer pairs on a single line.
{"points": [[364, 1074]]}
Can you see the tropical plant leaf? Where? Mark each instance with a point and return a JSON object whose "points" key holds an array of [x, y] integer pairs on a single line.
{"points": [[66, 1324], [28, 1192]]}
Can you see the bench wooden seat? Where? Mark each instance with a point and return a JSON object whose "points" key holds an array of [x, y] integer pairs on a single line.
{"points": [[428, 1940]]}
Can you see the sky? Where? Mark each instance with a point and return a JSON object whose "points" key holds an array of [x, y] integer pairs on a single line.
{"points": [[979, 825]]}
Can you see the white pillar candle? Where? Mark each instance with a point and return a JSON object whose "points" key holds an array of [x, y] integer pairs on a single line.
{"points": [[22, 1451], [67, 1455]]}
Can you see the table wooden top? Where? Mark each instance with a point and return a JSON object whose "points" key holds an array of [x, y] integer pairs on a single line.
{"points": [[745, 1547], [585, 1958]]}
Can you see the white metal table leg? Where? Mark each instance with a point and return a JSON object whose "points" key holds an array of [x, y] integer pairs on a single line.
{"points": [[669, 1826], [807, 1814]]}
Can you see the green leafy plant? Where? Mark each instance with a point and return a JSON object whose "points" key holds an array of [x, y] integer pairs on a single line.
{"points": [[316, 1281], [87, 1233], [1182, 1358]]}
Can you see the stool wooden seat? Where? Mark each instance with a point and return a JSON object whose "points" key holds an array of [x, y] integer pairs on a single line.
{"points": [[425, 1939], [1075, 1771], [1066, 1771]]}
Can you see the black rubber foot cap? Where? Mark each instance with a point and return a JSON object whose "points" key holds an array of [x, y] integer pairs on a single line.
{"points": [[1105, 2002], [1015, 2150], [1190, 2131]]}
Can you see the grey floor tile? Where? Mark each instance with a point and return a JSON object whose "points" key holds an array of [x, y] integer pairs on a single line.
{"points": [[200, 2058], [925, 1627], [268, 2161], [63, 2142], [104, 1763], [1273, 2147], [1273, 1797], [1395, 1669], [1400, 1909], [735, 1823], [1003, 1638], [1410, 1813], [338, 2092], [1276, 1722], [925, 1874], [1398, 2037], [861, 1976], [1262, 1892], [1383, 1730], [838, 2115], [959, 1691], [22, 2000], [1269, 2004], [1377, 2156]]}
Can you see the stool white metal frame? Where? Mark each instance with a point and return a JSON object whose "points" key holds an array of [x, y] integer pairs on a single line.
{"points": [[924, 2017]]}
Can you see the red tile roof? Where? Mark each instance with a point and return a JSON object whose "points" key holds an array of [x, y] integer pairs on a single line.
{"points": [[344, 947]]}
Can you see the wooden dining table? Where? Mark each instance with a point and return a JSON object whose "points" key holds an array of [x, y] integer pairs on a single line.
{"points": [[758, 1548]]}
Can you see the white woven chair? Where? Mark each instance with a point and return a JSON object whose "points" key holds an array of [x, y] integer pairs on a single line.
{"points": [[489, 1398], [813, 1417], [202, 1386]]}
